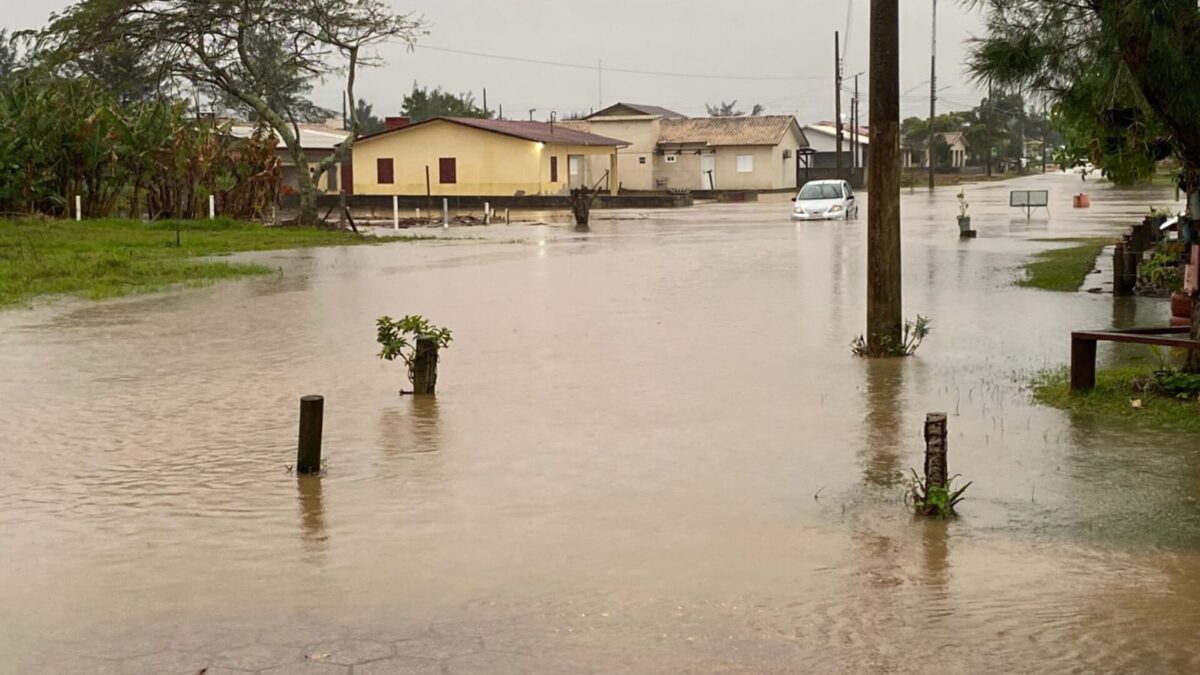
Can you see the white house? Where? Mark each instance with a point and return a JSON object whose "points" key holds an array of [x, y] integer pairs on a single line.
{"points": [[668, 151], [823, 137]]}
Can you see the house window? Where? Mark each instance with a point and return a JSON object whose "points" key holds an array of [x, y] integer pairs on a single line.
{"points": [[553, 169], [641, 160], [384, 171], [671, 159], [745, 163], [448, 170]]}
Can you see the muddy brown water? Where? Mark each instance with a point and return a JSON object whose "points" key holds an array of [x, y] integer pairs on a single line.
{"points": [[651, 452]]}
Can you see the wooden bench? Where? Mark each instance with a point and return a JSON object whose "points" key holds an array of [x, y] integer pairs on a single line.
{"points": [[1083, 348]]}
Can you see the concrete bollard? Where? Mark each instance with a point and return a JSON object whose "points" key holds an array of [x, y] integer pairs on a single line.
{"points": [[425, 366], [308, 451], [395, 212]]}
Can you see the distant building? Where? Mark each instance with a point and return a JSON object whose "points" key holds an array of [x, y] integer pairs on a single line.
{"points": [[479, 157], [915, 155], [823, 137], [669, 151], [317, 141]]}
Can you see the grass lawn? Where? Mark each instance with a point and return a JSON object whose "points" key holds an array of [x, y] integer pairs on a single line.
{"points": [[108, 258], [1063, 269], [1114, 398]]}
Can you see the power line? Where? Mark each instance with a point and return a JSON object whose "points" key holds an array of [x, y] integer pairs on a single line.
{"points": [[625, 71]]}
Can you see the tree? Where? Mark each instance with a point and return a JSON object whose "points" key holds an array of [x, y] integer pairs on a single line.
{"points": [[211, 44], [729, 109], [1122, 76], [367, 121], [274, 78], [423, 103], [8, 56]]}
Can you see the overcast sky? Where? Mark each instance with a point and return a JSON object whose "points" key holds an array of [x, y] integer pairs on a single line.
{"points": [[728, 42]]}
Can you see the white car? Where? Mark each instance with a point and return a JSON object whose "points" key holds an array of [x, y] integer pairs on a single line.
{"points": [[825, 200]]}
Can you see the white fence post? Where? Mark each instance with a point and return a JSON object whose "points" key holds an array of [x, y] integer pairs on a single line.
{"points": [[445, 213], [212, 207], [78, 208], [395, 212]]}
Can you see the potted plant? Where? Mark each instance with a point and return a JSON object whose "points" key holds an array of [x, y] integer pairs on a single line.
{"points": [[964, 221]]}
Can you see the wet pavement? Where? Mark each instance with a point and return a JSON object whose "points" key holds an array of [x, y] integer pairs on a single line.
{"points": [[651, 452]]}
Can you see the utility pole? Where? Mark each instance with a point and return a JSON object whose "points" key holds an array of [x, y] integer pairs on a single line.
{"points": [[600, 84], [1045, 132], [991, 112], [855, 124], [884, 312], [932, 96], [485, 108], [531, 111], [837, 105]]}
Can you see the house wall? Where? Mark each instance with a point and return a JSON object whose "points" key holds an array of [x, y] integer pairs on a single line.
{"points": [[635, 163], [487, 163]]}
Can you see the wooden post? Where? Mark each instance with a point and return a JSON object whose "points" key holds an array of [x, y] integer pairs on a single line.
{"points": [[1083, 364], [308, 453], [1119, 269], [1132, 260], [507, 217], [885, 322], [425, 365], [936, 473]]}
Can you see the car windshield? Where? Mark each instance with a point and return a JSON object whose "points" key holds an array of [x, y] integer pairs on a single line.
{"points": [[820, 191]]}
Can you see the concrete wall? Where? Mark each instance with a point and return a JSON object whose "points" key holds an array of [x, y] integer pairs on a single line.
{"points": [[487, 163]]}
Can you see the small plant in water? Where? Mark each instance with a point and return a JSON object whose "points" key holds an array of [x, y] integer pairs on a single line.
{"points": [[963, 205], [934, 500], [915, 332], [398, 339]]}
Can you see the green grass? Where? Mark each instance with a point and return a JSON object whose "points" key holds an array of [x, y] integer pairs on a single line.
{"points": [[1113, 398], [108, 258], [1063, 269]]}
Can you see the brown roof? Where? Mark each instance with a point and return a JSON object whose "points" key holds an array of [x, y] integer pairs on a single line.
{"points": [[541, 132], [635, 109], [713, 131]]}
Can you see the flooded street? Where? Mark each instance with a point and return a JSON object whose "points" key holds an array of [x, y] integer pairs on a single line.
{"points": [[651, 451]]}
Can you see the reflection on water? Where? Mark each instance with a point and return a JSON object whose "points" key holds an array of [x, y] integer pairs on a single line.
{"points": [[884, 414], [312, 514], [620, 466], [412, 427]]}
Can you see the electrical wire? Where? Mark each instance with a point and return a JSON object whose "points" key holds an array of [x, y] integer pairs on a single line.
{"points": [[625, 71]]}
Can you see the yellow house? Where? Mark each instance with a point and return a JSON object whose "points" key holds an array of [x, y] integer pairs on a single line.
{"points": [[452, 156]]}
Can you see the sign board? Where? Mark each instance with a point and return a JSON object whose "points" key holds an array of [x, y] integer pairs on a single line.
{"points": [[1029, 199]]}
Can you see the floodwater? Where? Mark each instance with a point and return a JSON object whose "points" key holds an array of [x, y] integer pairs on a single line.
{"points": [[651, 451]]}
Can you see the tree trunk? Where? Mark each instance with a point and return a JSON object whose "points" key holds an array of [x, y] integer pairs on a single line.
{"points": [[1193, 359], [884, 312]]}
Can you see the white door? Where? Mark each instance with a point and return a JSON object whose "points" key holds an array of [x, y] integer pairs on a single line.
{"points": [[708, 172], [575, 171]]}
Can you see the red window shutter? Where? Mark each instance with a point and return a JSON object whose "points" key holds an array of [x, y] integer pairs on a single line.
{"points": [[384, 171], [447, 170], [553, 169]]}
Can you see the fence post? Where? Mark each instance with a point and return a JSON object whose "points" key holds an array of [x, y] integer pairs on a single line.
{"points": [[425, 366], [395, 212], [212, 207], [78, 208], [1083, 364], [936, 473], [487, 213], [445, 212], [308, 450]]}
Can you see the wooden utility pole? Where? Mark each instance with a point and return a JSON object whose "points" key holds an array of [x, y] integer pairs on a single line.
{"points": [[991, 111], [932, 97], [837, 97], [884, 313], [855, 123]]}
